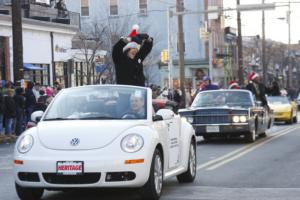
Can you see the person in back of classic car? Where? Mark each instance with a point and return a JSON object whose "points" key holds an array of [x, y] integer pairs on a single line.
{"points": [[208, 84], [257, 88], [233, 85]]}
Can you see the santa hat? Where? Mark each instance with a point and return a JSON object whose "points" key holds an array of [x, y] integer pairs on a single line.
{"points": [[252, 76], [131, 45], [134, 31], [233, 85]]}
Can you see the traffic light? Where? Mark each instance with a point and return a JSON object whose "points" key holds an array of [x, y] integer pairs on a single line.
{"points": [[164, 56]]}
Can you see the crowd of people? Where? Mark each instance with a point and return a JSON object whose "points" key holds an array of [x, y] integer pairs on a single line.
{"points": [[17, 105]]}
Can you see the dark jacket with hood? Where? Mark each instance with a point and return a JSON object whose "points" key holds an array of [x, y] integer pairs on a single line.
{"points": [[130, 71]]}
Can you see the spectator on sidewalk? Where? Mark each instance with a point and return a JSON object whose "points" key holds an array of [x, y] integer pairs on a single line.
{"points": [[36, 90], [20, 108], [30, 101], [9, 112], [1, 111]]}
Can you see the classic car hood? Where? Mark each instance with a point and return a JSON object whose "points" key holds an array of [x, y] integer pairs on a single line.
{"points": [[281, 108], [92, 134]]}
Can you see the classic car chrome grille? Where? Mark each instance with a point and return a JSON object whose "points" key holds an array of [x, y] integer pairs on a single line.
{"points": [[216, 116]]}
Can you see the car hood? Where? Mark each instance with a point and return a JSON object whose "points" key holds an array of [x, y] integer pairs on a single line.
{"points": [[281, 108], [90, 134]]}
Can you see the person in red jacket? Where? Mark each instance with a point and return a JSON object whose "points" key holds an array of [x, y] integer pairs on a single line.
{"points": [[128, 55]]}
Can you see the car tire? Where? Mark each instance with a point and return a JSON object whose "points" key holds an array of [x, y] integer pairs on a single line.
{"points": [[295, 119], [190, 175], [25, 193], [264, 134], [251, 136], [153, 188]]}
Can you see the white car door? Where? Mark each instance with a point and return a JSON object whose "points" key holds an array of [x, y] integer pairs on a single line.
{"points": [[173, 141]]}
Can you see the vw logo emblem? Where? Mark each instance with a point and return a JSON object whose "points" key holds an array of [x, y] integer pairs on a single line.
{"points": [[75, 141]]}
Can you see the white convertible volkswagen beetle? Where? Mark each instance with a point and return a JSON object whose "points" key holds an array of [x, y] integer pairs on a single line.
{"points": [[104, 136]]}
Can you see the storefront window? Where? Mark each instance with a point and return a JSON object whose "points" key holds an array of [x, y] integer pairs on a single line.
{"points": [[38, 76], [59, 72]]}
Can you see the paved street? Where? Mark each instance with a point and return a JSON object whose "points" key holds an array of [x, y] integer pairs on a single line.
{"points": [[227, 169]]}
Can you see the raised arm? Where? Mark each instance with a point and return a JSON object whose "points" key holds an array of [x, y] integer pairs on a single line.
{"points": [[145, 48], [117, 53]]}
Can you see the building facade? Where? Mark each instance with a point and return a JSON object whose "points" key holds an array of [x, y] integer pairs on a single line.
{"points": [[47, 41], [151, 16]]}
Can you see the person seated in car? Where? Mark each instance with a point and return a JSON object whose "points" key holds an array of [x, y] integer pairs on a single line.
{"points": [[137, 105]]}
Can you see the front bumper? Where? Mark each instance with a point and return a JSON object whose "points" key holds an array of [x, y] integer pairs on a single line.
{"points": [[282, 116], [224, 129], [93, 165]]}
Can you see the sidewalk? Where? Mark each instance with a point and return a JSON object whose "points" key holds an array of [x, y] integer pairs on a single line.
{"points": [[4, 139]]}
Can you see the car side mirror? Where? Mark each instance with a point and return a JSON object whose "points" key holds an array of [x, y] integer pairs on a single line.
{"points": [[157, 118], [36, 116], [166, 114], [258, 103]]}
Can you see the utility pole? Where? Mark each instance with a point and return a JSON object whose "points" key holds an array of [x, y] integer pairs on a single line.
{"points": [[290, 75], [263, 52], [240, 46], [17, 41], [170, 49], [180, 49]]}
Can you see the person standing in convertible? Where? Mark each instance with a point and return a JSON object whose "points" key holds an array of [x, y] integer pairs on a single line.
{"points": [[128, 55]]}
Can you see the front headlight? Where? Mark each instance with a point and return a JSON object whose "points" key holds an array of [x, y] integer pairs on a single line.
{"points": [[236, 119], [190, 119], [132, 143], [25, 144], [243, 119]]}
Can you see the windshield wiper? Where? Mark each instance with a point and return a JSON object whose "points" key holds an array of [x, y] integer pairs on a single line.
{"points": [[59, 119], [100, 117]]}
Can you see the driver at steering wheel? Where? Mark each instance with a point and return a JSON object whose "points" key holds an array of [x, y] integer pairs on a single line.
{"points": [[137, 105]]}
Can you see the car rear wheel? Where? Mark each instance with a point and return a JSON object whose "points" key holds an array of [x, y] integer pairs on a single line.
{"points": [[295, 119], [190, 174], [153, 188], [29, 193]]}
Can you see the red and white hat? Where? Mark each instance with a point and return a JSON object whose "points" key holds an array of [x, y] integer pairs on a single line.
{"points": [[253, 75], [134, 31], [233, 85]]}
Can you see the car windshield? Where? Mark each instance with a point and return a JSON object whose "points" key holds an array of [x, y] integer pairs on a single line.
{"points": [[223, 99], [99, 103], [278, 100]]}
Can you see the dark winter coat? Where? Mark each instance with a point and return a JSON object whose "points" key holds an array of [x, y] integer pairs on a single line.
{"points": [[30, 99], [130, 71], [20, 104], [261, 96], [10, 107]]}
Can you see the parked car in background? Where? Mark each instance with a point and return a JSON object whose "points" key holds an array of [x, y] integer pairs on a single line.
{"points": [[104, 136], [220, 113], [284, 109]]}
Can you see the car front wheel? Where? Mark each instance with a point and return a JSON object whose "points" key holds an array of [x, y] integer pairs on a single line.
{"points": [[153, 188], [29, 193], [190, 174]]}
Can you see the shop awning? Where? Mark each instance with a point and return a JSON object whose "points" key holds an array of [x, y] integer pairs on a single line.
{"points": [[29, 66]]}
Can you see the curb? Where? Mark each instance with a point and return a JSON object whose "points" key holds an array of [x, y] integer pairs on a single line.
{"points": [[7, 140]]}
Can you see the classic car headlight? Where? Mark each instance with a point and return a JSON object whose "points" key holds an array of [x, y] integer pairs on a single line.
{"points": [[243, 119], [236, 119], [190, 119], [132, 143], [25, 144]]}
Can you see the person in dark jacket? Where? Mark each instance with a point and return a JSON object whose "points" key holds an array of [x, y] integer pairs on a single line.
{"points": [[30, 101], [20, 108], [128, 56], [9, 112], [208, 84], [257, 88], [274, 90]]}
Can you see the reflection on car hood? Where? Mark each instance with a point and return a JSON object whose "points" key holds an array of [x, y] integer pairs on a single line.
{"points": [[91, 134], [281, 108]]}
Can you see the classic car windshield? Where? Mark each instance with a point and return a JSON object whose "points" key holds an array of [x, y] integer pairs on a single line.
{"points": [[278, 100], [223, 99], [99, 102]]}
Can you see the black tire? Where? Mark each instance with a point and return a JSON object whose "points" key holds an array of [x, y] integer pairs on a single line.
{"points": [[251, 136], [29, 193], [190, 175], [149, 191], [295, 119], [264, 134]]}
